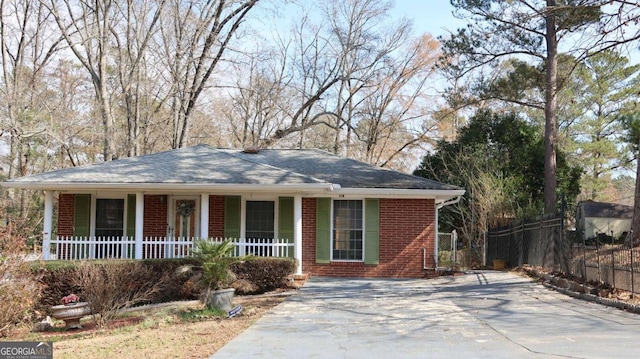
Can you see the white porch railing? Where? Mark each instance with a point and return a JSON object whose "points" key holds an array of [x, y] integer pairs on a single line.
{"points": [[75, 248]]}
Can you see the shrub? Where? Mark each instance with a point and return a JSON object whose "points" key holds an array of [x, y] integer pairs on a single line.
{"points": [[19, 291], [112, 285], [258, 275], [215, 257], [179, 287], [58, 280]]}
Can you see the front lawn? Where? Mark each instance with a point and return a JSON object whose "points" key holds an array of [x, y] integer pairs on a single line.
{"points": [[178, 330]]}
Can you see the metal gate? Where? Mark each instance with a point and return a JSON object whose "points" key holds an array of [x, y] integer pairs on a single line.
{"points": [[448, 250]]}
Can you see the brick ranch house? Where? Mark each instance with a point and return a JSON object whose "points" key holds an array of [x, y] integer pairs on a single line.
{"points": [[335, 215]]}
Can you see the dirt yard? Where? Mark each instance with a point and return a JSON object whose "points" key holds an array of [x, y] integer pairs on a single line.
{"points": [[157, 332]]}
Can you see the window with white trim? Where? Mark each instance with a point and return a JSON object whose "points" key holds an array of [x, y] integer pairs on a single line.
{"points": [[348, 230]]}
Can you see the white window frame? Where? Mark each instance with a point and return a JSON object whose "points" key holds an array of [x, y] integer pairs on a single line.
{"points": [[362, 201]]}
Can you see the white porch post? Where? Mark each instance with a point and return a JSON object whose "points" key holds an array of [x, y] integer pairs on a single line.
{"points": [[48, 221], [436, 241], [139, 224], [297, 231], [204, 215]]}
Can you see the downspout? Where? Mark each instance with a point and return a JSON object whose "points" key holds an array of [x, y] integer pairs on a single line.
{"points": [[436, 242]]}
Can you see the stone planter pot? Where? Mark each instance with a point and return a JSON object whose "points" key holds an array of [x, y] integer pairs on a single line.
{"points": [[221, 299], [71, 313]]}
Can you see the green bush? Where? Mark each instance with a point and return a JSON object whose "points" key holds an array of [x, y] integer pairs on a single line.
{"points": [[215, 259], [262, 274]]}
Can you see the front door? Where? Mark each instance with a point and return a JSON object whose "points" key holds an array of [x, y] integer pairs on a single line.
{"points": [[184, 223]]}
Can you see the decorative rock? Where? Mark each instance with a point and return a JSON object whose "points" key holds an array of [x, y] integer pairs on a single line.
{"points": [[42, 326]]}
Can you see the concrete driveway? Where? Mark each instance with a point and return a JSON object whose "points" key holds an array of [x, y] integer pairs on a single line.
{"points": [[482, 314]]}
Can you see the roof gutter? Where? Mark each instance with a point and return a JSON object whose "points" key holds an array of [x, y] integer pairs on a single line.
{"points": [[441, 196], [450, 202]]}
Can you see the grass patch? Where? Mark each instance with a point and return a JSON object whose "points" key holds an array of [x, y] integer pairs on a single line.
{"points": [[206, 313]]}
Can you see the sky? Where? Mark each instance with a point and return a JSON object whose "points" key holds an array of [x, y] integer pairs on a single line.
{"points": [[432, 16], [435, 17]]}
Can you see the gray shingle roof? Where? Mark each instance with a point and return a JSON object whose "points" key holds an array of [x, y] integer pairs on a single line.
{"points": [[346, 172], [206, 165], [606, 210], [194, 165]]}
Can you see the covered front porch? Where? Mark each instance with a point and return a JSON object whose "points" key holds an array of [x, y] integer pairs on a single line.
{"points": [[112, 224]]}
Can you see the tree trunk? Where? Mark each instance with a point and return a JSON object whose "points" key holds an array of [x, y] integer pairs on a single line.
{"points": [[635, 222], [550, 130]]}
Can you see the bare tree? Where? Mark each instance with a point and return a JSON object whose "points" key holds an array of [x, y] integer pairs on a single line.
{"points": [[364, 43], [106, 36], [487, 203], [396, 113], [86, 27], [132, 37], [258, 103], [279, 99], [27, 45], [352, 76], [194, 37], [71, 125]]}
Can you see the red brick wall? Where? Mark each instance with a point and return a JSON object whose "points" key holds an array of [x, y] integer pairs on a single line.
{"points": [[155, 216], [65, 214], [216, 216], [406, 226], [309, 265]]}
